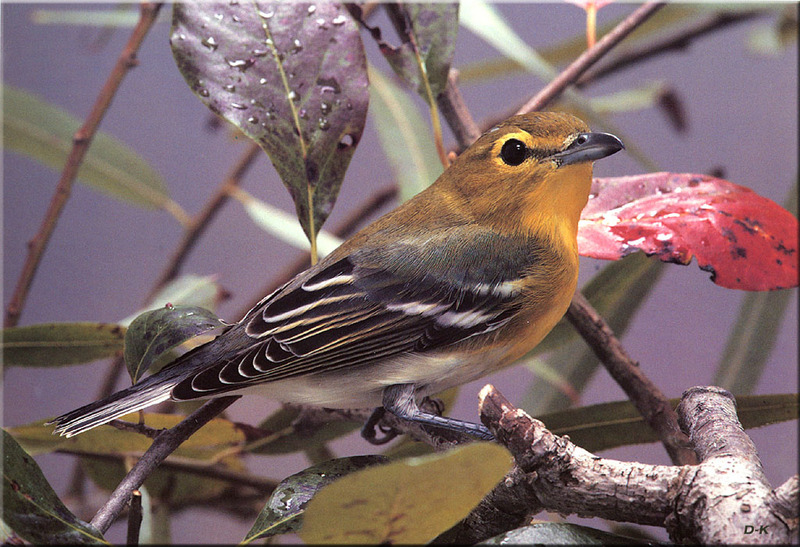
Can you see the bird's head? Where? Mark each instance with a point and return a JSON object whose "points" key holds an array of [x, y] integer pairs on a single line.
{"points": [[532, 172]]}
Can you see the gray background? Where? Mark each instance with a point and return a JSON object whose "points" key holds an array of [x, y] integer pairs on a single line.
{"points": [[104, 256]]}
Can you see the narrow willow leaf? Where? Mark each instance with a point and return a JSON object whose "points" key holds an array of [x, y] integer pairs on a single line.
{"points": [[153, 334], [486, 22], [410, 501], [423, 59], [60, 344], [291, 76], [286, 439], [404, 136], [120, 17], [44, 132], [105, 449], [284, 510], [616, 292], [283, 225], [610, 425], [753, 337], [629, 100], [31, 507]]}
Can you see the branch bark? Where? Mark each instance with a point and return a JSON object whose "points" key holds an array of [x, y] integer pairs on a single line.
{"points": [[724, 499], [80, 145]]}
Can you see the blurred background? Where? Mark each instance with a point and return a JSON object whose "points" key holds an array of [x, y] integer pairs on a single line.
{"points": [[739, 102]]}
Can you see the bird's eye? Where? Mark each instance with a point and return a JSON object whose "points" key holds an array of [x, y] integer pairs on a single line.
{"points": [[581, 139], [513, 152]]}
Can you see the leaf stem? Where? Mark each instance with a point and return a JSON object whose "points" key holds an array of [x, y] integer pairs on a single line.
{"points": [[148, 12]]}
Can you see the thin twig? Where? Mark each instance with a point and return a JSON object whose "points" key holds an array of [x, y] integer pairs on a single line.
{"points": [[163, 446], [201, 221], [148, 12], [590, 56], [134, 518], [678, 41], [643, 393]]}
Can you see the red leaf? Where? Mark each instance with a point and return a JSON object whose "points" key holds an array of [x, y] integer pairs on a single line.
{"points": [[746, 241]]}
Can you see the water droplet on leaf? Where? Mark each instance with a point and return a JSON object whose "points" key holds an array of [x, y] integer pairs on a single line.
{"points": [[238, 106], [311, 9], [339, 20], [324, 124], [210, 43]]}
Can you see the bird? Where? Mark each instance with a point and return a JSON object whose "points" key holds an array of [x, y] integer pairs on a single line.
{"points": [[461, 280]]}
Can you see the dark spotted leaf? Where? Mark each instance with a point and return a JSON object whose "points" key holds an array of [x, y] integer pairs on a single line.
{"points": [[428, 31], [291, 76], [32, 509], [154, 333], [284, 510], [746, 241]]}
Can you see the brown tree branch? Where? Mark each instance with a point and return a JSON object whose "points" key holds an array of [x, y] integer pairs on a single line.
{"points": [[713, 502], [643, 393], [575, 69], [164, 445], [148, 12], [201, 221]]}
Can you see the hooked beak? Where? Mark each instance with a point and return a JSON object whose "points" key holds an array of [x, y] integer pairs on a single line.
{"points": [[588, 147]]}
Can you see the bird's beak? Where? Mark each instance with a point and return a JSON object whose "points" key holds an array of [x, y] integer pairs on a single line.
{"points": [[589, 147]]}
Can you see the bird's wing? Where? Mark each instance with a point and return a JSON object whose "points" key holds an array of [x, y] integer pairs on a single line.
{"points": [[381, 301]]}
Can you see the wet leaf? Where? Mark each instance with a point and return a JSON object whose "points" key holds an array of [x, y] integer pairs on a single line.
{"points": [[31, 507], [284, 510], [44, 132], [291, 76], [153, 334], [428, 32], [746, 241], [186, 290], [60, 344], [409, 501]]}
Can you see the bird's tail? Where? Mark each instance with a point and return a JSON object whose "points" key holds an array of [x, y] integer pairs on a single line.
{"points": [[150, 391]]}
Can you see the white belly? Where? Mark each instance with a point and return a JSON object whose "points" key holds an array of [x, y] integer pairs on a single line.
{"points": [[363, 387]]}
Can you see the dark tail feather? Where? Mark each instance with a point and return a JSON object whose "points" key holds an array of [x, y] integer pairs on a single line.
{"points": [[151, 391]]}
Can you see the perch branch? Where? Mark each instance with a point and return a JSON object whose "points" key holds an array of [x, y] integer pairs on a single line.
{"points": [[163, 446], [716, 501]]}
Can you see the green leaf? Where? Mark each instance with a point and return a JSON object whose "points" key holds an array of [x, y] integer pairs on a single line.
{"points": [[284, 510], [31, 507], [609, 425], [410, 501], [105, 449], [153, 334], [560, 533], [616, 292], [120, 17], [43, 132], [186, 290], [285, 439], [404, 136], [60, 344], [292, 77], [423, 59], [283, 225]]}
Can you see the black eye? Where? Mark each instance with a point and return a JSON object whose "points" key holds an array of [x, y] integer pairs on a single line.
{"points": [[513, 152]]}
